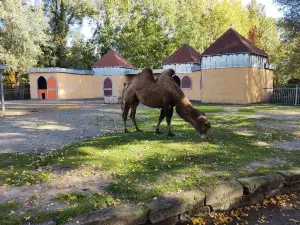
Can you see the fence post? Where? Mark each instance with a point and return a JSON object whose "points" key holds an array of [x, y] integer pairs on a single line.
{"points": [[296, 99]]}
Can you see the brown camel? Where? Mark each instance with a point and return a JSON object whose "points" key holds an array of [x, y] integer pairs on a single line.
{"points": [[165, 94]]}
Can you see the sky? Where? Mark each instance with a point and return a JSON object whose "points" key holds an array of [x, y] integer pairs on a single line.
{"points": [[271, 11], [271, 8]]}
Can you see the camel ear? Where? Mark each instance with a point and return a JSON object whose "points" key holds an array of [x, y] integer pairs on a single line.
{"points": [[170, 72], [202, 118]]}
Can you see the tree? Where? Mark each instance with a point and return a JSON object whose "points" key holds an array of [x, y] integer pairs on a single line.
{"points": [[290, 24], [80, 55], [22, 32], [146, 32], [62, 15], [291, 20], [143, 40], [262, 31]]}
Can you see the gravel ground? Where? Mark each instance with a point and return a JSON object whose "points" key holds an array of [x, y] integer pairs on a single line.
{"points": [[52, 124]]}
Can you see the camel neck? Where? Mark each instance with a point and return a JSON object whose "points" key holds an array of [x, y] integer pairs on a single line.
{"points": [[185, 102], [184, 108]]}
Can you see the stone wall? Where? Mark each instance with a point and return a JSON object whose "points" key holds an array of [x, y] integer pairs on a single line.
{"points": [[172, 207]]}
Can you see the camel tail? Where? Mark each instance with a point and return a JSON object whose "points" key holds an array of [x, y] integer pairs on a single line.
{"points": [[122, 97]]}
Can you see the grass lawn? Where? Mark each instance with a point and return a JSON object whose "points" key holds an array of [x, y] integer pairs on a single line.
{"points": [[144, 165]]}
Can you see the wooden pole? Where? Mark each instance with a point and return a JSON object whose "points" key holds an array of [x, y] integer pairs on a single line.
{"points": [[2, 92], [296, 99]]}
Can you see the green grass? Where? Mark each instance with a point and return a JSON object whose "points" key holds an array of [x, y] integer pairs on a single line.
{"points": [[8, 215], [145, 165], [77, 204]]}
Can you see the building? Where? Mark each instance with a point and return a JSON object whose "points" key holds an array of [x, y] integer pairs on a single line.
{"points": [[186, 62], [106, 78], [234, 71], [231, 70]]}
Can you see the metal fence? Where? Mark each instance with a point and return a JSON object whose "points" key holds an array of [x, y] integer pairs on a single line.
{"points": [[283, 95], [16, 94]]}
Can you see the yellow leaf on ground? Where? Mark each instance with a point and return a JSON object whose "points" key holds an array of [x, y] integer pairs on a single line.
{"points": [[295, 221]]}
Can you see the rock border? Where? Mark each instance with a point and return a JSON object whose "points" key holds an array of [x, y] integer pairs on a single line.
{"points": [[173, 207]]}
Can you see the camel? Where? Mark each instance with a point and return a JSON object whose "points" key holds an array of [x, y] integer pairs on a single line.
{"points": [[163, 93]]}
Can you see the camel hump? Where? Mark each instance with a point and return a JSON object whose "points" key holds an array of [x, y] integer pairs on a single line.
{"points": [[166, 75], [146, 74]]}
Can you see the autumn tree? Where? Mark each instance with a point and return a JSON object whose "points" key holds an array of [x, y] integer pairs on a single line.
{"points": [[22, 33]]}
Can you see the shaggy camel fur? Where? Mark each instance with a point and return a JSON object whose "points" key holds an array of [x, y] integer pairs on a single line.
{"points": [[165, 94]]}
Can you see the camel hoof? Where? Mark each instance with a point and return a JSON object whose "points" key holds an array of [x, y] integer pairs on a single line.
{"points": [[171, 135], [139, 130], [158, 132]]}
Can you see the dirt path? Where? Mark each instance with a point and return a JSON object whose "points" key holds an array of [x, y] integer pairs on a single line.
{"points": [[51, 125]]}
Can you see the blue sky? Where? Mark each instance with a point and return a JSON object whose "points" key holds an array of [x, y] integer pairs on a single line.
{"points": [[271, 11], [271, 8]]}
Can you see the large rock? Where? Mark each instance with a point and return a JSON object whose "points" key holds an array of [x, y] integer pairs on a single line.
{"points": [[124, 214], [252, 199], [262, 183], [224, 195], [173, 204], [170, 221], [200, 211], [292, 176]]}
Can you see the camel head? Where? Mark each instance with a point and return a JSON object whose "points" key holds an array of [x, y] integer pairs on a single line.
{"points": [[199, 121]]}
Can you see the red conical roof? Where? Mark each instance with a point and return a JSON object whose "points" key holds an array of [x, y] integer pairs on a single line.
{"points": [[113, 59], [232, 42], [185, 54]]}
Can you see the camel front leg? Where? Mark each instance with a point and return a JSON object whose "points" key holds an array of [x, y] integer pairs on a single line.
{"points": [[132, 115], [124, 116], [161, 117], [169, 113]]}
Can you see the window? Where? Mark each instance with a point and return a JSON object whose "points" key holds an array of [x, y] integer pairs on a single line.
{"points": [[107, 87], [186, 83]]}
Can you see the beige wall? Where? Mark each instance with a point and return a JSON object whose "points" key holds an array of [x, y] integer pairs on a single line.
{"points": [[194, 92], [257, 80], [69, 86], [74, 86], [227, 85], [117, 81]]}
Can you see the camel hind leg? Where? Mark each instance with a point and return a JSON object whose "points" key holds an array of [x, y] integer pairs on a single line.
{"points": [[130, 102], [124, 116], [161, 117], [133, 113], [169, 113]]}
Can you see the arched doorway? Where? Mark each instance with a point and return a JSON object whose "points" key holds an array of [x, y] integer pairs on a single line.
{"points": [[186, 83], [52, 88], [42, 87], [107, 87]]}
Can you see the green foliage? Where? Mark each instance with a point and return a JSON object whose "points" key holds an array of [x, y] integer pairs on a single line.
{"points": [[291, 20], [80, 55], [147, 32], [287, 58], [22, 32], [289, 52], [62, 14]]}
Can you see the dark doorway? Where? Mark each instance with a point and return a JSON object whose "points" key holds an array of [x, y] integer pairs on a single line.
{"points": [[43, 96], [42, 83]]}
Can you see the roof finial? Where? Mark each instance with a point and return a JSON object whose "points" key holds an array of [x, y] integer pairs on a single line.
{"points": [[231, 25]]}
